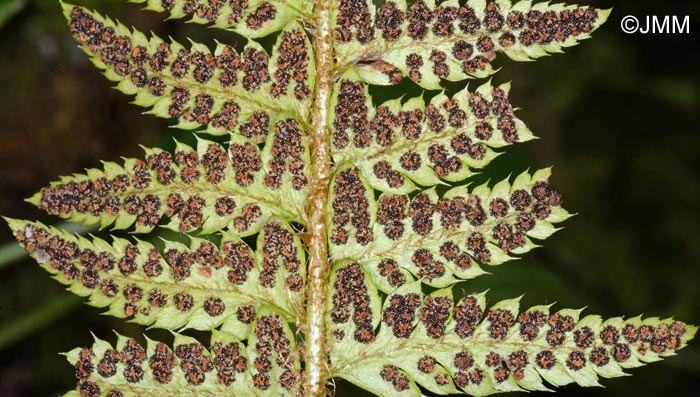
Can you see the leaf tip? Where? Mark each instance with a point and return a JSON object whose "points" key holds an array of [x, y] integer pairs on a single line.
{"points": [[35, 199], [14, 224], [603, 14]]}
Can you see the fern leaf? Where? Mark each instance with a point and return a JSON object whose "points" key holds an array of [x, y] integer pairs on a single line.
{"points": [[395, 145], [428, 42], [203, 285], [223, 91], [455, 347], [439, 239], [206, 189], [366, 209], [249, 18], [267, 367]]}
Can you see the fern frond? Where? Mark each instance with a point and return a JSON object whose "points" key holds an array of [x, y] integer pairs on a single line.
{"points": [[249, 18], [439, 239], [318, 171], [455, 347], [428, 42], [223, 91], [203, 285], [395, 144], [267, 366], [209, 188]]}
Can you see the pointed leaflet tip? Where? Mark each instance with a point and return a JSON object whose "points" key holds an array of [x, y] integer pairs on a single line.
{"points": [[35, 199], [15, 224], [67, 8], [603, 16]]}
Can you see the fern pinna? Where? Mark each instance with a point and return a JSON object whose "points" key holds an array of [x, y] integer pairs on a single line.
{"points": [[353, 271]]}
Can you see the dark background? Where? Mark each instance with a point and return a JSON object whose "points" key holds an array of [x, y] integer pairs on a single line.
{"points": [[618, 117]]}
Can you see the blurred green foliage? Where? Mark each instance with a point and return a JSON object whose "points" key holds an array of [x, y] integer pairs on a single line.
{"points": [[9, 8], [618, 118]]}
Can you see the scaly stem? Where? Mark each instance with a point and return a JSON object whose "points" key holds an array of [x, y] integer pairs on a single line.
{"points": [[316, 372]]}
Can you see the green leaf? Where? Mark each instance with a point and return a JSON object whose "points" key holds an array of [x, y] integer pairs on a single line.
{"points": [[438, 240], [250, 18], [224, 91], [10, 8], [206, 189], [452, 41], [397, 144], [274, 357], [382, 378], [441, 343], [202, 285], [228, 367]]}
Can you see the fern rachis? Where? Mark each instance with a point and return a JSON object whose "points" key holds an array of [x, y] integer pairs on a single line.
{"points": [[341, 194]]}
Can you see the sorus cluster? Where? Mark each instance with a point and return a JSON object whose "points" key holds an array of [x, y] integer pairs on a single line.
{"points": [[288, 153], [350, 206], [429, 365], [383, 125], [134, 192], [428, 267], [162, 362], [264, 13], [467, 314], [351, 298], [292, 64], [392, 74], [487, 221], [599, 348], [450, 251], [500, 321], [392, 374], [497, 31], [390, 269], [169, 70], [195, 362], [209, 11], [224, 12], [240, 258], [256, 127], [229, 361], [530, 324], [390, 214], [502, 367], [279, 249], [192, 359], [559, 326], [354, 21], [238, 8], [400, 313], [274, 353], [467, 372], [438, 118], [444, 136], [384, 170], [104, 271], [351, 114], [434, 315], [581, 344], [389, 20]]}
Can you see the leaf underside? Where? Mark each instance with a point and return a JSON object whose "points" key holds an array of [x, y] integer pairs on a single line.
{"points": [[403, 226], [451, 344], [452, 41]]}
